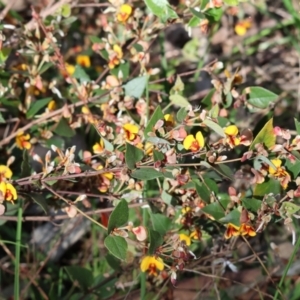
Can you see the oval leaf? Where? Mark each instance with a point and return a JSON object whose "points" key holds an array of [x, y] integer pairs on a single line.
{"points": [[179, 100], [146, 174], [155, 240], [133, 155], [37, 106], [266, 136], [215, 127], [119, 216], [157, 115], [83, 276], [216, 209], [260, 97], [135, 87], [117, 246]]}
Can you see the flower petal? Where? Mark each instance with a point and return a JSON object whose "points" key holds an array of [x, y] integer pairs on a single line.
{"points": [[187, 143]]}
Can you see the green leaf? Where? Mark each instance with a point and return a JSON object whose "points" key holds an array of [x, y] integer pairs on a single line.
{"points": [[25, 165], [95, 39], [233, 217], [215, 127], [64, 129], [107, 145], [117, 246], [161, 9], [293, 168], [146, 174], [179, 100], [181, 114], [80, 74], [224, 170], [214, 112], [157, 115], [207, 99], [202, 191], [40, 200], [197, 13], [155, 240], [160, 223], [83, 276], [252, 204], [258, 160], [177, 87], [194, 22], [4, 53], [135, 87], [133, 155], [37, 106], [216, 209], [113, 262], [266, 136], [119, 216], [158, 155], [122, 68], [214, 14], [297, 125], [259, 97], [157, 141], [271, 186]]}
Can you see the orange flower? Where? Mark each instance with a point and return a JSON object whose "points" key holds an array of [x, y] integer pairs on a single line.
{"points": [[115, 56], [8, 192], [98, 148], [131, 131], [151, 264], [232, 230], [194, 143], [83, 60], [244, 229], [22, 141], [124, 13], [242, 27]]}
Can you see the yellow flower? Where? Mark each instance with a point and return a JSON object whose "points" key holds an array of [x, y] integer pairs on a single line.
{"points": [[232, 230], [83, 60], [192, 143], [277, 163], [115, 56], [51, 105], [70, 69], [247, 230], [185, 238], [232, 139], [131, 131], [99, 147], [151, 264], [22, 141], [8, 191], [244, 229], [5, 172], [196, 235], [242, 27], [169, 120], [124, 13]]}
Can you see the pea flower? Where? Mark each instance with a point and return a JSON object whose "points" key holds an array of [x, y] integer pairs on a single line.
{"points": [[140, 233], [8, 192], [242, 27], [185, 238], [244, 229], [194, 143], [99, 147], [124, 13], [22, 141], [51, 105], [169, 120], [279, 172], [151, 264], [83, 60], [130, 131], [70, 69], [5, 172], [115, 56], [232, 138]]}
